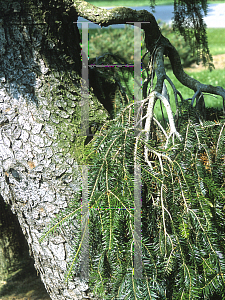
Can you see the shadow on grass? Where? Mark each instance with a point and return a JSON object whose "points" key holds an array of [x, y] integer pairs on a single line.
{"points": [[23, 284]]}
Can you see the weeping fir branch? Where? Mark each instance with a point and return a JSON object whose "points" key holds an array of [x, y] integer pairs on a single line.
{"points": [[183, 200], [188, 20], [183, 208]]}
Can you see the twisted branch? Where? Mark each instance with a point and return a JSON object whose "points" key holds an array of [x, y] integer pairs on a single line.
{"points": [[153, 38]]}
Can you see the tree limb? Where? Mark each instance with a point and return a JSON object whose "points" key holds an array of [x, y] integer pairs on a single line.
{"points": [[118, 15], [153, 38], [187, 80]]}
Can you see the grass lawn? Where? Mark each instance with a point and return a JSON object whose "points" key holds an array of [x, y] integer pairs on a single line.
{"points": [[215, 77], [216, 40], [136, 3]]}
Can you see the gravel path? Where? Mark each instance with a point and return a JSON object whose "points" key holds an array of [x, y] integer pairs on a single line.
{"points": [[218, 61]]}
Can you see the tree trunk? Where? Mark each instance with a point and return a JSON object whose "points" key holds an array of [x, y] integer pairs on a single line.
{"points": [[40, 69]]}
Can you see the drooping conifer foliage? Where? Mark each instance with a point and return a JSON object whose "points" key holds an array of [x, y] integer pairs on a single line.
{"points": [[183, 200], [188, 20], [182, 168]]}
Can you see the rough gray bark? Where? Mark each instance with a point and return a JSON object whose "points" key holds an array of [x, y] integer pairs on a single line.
{"points": [[39, 121]]}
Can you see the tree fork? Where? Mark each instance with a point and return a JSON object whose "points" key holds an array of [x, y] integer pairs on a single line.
{"points": [[153, 38]]}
